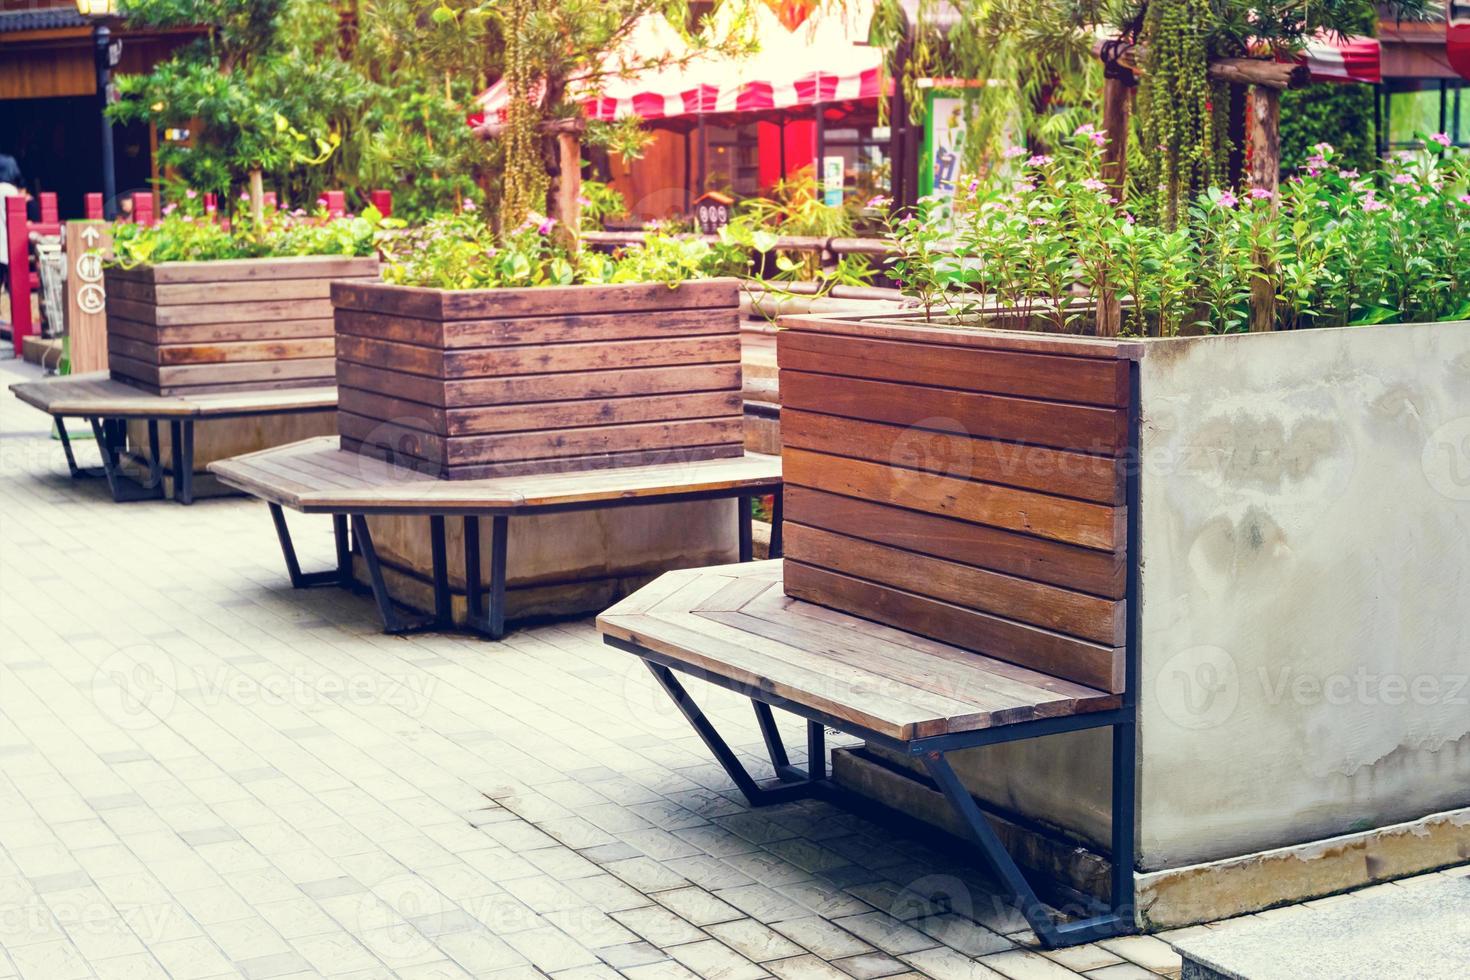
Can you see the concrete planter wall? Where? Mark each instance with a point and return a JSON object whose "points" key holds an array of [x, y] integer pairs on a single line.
{"points": [[1305, 549], [235, 325], [492, 382]]}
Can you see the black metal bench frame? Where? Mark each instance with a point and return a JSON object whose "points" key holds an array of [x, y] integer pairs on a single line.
{"points": [[486, 601], [1104, 920], [111, 435]]}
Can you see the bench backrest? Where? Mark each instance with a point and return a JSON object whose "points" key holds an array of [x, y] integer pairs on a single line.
{"points": [[969, 487]]}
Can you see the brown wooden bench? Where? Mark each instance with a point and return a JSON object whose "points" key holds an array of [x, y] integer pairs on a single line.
{"points": [[108, 405], [315, 476], [734, 627]]}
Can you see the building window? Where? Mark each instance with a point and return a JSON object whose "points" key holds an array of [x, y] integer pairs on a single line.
{"points": [[1411, 108]]}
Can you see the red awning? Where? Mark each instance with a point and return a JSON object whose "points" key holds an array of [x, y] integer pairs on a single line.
{"points": [[1353, 59]]}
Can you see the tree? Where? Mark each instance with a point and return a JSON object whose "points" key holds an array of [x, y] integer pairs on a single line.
{"points": [[554, 49], [255, 91]]}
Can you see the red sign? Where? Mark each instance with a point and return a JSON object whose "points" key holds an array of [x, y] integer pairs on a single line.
{"points": [[1457, 37]]}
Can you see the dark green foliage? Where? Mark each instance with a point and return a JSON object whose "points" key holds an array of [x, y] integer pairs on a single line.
{"points": [[1338, 114]]}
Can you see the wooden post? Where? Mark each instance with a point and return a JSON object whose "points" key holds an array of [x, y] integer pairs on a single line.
{"points": [[88, 244], [569, 183], [1116, 105], [17, 231], [1265, 142], [257, 196]]}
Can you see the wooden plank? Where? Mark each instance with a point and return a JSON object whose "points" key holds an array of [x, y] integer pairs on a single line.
{"points": [[193, 314], [840, 627], [509, 361], [479, 304], [243, 351], [1099, 573], [1062, 610], [1052, 653], [1085, 380], [1100, 431], [532, 388], [526, 330], [1096, 478], [96, 394], [243, 270], [682, 456], [541, 415], [595, 440], [318, 369], [182, 294], [208, 333], [1056, 518], [907, 325]]}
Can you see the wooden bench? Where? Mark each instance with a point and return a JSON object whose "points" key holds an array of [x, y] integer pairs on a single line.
{"points": [[108, 405], [315, 476], [734, 627]]}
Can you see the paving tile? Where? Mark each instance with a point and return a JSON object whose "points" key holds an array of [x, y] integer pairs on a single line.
{"points": [[697, 906], [714, 960], [659, 926], [756, 942], [1089, 956], [1026, 965], [869, 966], [822, 937], [1147, 951], [807, 967], [1122, 971], [886, 933], [943, 963]]}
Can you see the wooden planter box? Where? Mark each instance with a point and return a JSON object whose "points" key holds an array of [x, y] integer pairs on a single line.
{"points": [[477, 383], [188, 327], [963, 485]]}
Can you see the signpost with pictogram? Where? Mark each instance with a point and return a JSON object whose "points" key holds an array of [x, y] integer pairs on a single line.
{"points": [[88, 246]]}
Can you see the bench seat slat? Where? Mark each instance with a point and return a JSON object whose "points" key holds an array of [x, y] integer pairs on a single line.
{"points": [[735, 622]]}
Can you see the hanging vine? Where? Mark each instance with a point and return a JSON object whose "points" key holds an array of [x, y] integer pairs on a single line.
{"points": [[1183, 114], [526, 179]]}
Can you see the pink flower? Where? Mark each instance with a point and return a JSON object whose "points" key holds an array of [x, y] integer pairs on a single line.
{"points": [[1261, 194], [169, 209], [1129, 218], [321, 202], [1100, 139], [1420, 200], [1011, 152], [1228, 200], [544, 228], [298, 213], [191, 194], [1039, 160], [1347, 174], [1093, 184], [1025, 186], [879, 201], [1402, 179], [244, 197], [1442, 139], [1371, 203], [1323, 148], [1086, 129], [974, 184], [1464, 199], [468, 207]]}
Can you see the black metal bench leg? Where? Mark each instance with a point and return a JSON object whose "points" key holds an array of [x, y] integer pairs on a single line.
{"points": [[155, 457], [485, 614], [747, 538], [775, 747], [1048, 931], [181, 432], [309, 580], [778, 520], [754, 794], [443, 609], [110, 435], [344, 552], [393, 621], [77, 472], [816, 750]]}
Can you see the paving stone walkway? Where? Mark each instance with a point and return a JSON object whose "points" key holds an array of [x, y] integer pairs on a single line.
{"points": [[205, 774]]}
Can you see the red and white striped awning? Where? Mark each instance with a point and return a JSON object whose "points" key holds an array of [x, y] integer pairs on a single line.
{"points": [[1353, 59]]}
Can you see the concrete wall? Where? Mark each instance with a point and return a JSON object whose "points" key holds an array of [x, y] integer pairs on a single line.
{"points": [[1306, 599]]}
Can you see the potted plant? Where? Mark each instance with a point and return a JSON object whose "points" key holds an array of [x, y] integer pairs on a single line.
{"points": [[197, 305], [483, 355]]}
